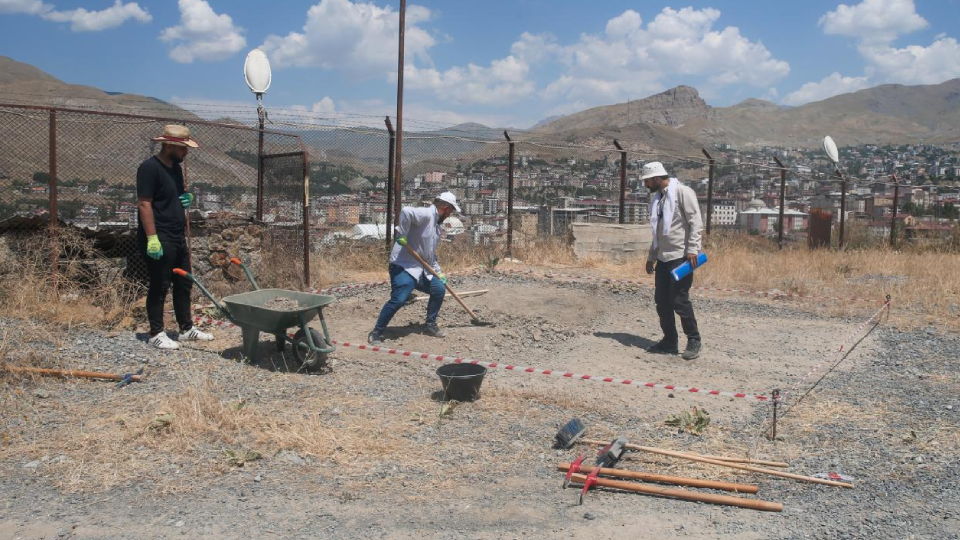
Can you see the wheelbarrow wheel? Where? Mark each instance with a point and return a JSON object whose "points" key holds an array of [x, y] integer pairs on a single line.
{"points": [[307, 357]]}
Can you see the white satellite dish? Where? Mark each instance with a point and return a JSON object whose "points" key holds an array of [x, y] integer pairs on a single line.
{"points": [[830, 148], [256, 71]]}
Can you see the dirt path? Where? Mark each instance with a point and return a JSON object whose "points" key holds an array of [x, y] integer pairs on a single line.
{"points": [[360, 452]]}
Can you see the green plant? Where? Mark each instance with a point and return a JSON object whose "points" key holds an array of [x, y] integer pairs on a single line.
{"points": [[693, 421]]}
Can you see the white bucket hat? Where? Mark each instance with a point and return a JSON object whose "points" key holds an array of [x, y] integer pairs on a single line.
{"points": [[653, 170], [450, 199]]}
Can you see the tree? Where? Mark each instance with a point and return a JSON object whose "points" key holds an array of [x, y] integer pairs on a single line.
{"points": [[41, 177]]}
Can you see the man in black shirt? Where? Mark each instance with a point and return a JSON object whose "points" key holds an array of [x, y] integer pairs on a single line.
{"points": [[162, 204]]}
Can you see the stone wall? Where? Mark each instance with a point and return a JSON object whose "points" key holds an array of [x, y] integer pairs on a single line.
{"points": [[613, 241]]}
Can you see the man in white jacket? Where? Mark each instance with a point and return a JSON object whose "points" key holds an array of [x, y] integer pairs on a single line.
{"points": [[677, 227], [419, 228]]}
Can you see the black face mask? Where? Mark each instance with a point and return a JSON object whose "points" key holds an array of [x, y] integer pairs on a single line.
{"points": [[176, 159], [653, 189]]}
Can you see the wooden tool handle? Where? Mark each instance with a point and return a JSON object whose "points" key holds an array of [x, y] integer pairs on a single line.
{"points": [[72, 373], [750, 468], [712, 498], [430, 269], [665, 479]]}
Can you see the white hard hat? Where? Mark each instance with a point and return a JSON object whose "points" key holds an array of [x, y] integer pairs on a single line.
{"points": [[450, 199], [653, 170]]}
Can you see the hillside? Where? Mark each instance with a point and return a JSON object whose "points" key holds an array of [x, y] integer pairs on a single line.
{"points": [[894, 114]]}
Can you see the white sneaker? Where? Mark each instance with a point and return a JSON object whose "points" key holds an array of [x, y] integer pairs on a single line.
{"points": [[163, 342], [194, 334]]}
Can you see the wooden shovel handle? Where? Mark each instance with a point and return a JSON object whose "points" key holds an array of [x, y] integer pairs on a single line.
{"points": [[72, 373], [428, 268], [686, 495], [664, 479]]}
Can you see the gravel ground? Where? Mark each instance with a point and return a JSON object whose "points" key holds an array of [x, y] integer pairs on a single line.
{"points": [[83, 459]]}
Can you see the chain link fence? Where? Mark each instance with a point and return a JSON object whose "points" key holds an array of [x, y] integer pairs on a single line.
{"points": [[72, 173]]}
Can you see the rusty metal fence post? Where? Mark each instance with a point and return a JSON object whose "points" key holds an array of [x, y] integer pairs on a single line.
{"points": [[260, 114], [843, 207], [623, 182], [709, 189], [893, 218], [783, 189], [510, 173], [306, 213], [392, 193], [54, 207]]}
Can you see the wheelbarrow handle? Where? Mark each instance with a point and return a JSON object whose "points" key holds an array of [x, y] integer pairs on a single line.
{"points": [[246, 271], [183, 273]]}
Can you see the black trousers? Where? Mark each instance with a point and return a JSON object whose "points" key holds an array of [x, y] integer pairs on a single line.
{"points": [[160, 273], [674, 297]]}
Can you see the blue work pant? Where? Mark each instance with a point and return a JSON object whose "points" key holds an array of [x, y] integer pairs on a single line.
{"points": [[402, 285]]}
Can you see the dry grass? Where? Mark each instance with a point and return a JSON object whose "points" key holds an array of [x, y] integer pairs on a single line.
{"points": [[77, 295]]}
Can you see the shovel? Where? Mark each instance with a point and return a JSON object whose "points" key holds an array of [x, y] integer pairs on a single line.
{"points": [[473, 316]]}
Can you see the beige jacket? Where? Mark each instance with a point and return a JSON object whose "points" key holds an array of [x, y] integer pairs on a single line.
{"points": [[685, 229]]}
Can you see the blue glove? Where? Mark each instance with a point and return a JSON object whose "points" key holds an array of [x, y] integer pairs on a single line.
{"points": [[402, 240], [186, 200], [443, 278], [154, 247]]}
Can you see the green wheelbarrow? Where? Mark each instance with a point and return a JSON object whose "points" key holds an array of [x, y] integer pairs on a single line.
{"points": [[247, 310]]}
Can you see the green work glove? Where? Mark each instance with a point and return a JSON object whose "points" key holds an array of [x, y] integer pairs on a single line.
{"points": [[402, 240], [186, 200], [154, 247], [443, 278]]}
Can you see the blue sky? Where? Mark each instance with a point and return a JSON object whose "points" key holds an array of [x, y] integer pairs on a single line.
{"points": [[498, 62]]}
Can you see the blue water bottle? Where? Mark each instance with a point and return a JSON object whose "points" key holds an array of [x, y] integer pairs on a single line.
{"points": [[684, 269]]}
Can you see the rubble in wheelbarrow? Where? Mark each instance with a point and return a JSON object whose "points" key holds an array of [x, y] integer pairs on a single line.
{"points": [[282, 303]]}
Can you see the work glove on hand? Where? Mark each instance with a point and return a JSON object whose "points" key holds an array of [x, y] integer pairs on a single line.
{"points": [[443, 278], [186, 200], [402, 240], [154, 247]]}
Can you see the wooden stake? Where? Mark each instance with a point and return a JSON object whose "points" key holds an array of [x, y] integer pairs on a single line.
{"points": [[683, 494], [693, 457], [72, 373], [664, 479]]}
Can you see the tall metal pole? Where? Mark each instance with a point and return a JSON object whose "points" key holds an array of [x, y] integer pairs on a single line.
{"points": [[783, 190], [623, 181], [893, 218], [709, 189], [306, 213], [54, 207], [510, 196], [398, 175], [260, 113], [390, 183], [843, 206]]}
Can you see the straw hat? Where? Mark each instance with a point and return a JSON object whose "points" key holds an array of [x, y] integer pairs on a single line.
{"points": [[177, 135]]}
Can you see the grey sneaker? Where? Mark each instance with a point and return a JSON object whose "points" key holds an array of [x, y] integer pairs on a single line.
{"points": [[692, 351], [375, 337], [434, 331], [664, 347]]}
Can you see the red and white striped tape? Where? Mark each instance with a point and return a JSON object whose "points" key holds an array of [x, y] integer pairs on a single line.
{"points": [[555, 373], [765, 294]]}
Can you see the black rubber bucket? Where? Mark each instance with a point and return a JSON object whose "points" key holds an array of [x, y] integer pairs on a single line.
{"points": [[461, 381]]}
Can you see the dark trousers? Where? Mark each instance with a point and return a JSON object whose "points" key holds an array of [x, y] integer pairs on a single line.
{"points": [[175, 255], [402, 285], [674, 297]]}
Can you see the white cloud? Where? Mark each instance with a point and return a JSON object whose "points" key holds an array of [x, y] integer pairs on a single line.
{"points": [[876, 24], [203, 34], [628, 60], [504, 81], [82, 20], [325, 105], [914, 64], [29, 7], [358, 38], [832, 85], [874, 21]]}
